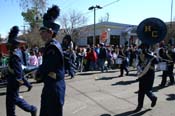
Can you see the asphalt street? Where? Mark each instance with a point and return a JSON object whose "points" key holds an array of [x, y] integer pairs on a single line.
{"points": [[94, 93]]}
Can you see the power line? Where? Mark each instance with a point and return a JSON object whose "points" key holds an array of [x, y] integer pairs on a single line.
{"points": [[111, 3]]}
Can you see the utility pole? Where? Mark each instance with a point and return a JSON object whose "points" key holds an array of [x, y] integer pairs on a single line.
{"points": [[94, 8], [171, 14]]}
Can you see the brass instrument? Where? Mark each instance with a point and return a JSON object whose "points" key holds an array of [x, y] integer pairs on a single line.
{"points": [[146, 68], [151, 31]]}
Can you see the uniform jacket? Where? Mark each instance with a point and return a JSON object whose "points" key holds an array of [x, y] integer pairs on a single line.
{"points": [[15, 71], [52, 72]]}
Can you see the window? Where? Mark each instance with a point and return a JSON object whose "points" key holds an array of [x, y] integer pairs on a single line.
{"points": [[90, 40], [97, 39], [114, 40]]}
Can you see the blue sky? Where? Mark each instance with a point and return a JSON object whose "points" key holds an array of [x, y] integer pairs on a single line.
{"points": [[123, 11]]}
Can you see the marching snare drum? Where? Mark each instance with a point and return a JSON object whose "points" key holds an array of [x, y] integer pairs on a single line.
{"points": [[162, 66], [119, 61]]}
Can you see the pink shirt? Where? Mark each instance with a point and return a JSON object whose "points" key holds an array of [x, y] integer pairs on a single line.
{"points": [[33, 61]]}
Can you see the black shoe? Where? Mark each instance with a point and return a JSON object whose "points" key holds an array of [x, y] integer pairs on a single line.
{"points": [[154, 102], [162, 85], [120, 76], [137, 109], [29, 88], [127, 73], [34, 113], [170, 83]]}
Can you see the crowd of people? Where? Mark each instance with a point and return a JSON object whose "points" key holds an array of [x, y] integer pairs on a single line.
{"points": [[103, 57]]}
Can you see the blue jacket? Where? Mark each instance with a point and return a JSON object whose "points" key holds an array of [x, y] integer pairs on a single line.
{"points": [[52, 71], [15, 71]]}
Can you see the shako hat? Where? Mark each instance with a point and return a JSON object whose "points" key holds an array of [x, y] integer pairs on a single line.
{"points": [[49, 19], [12, 37]]}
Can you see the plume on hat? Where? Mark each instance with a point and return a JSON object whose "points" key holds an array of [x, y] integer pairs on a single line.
{"points": [[51, 15], [13, 34]]}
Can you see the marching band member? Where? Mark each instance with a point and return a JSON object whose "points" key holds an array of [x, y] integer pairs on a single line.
{"points": [[150, 31], [167, 57], [69, 55], [146, 78], [124, 64], [15, 77], [51, 71]]}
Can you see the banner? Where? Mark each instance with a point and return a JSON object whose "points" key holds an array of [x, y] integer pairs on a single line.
{"points": [[103, 36]]}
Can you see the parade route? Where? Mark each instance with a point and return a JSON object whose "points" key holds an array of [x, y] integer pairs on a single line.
{"points": [[94, 93]]}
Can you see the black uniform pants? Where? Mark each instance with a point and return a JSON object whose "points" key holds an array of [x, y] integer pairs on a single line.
{"points": [[167, 73], [123, 67], [141, 95], [13, 99], [145, 87]]}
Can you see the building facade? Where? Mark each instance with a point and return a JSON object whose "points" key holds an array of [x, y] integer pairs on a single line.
{"points": [[109, 33]]}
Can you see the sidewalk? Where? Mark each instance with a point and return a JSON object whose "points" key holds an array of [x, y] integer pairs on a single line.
{"points": [[103, 94]]}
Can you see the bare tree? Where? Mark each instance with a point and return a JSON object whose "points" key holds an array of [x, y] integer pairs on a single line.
{"points": [[104, 18], [71, 22]]}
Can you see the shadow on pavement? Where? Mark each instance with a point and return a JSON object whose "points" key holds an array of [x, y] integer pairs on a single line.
{"points": [[3, 83], [106, 78], [112, 71], [132, 74], [105, 115], [131, 113], [95, 72], [157, 88], [2, 93], [124, 82], [159, 76], [170, 97], [89, 73], [2, 86]]}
